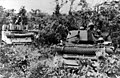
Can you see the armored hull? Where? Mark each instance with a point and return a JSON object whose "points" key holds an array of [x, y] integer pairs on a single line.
{"points": [[72, 51], [16, 36]]}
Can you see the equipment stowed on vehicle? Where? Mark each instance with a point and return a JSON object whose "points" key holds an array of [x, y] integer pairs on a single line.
{"points": [[78, 46]]}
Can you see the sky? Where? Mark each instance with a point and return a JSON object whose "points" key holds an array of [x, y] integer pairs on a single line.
{"points": [[46, 6]]}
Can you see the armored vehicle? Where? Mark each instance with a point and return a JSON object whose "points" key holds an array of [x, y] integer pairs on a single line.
{"points": [[16, 34], [80, 44]]}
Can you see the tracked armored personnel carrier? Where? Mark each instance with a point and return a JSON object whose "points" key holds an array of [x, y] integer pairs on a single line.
{"points": [[15, 34], [80, 44]]}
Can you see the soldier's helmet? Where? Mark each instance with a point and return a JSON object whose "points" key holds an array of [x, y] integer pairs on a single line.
{"points": [[22, 7], [100, 40], [82, 28], [90, 25]]}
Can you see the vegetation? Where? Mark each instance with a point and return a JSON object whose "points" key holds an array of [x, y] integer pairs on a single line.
{"points": [[35, 61]]}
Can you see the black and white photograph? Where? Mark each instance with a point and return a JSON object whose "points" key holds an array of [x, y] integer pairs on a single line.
{"points": [[59, 38]]}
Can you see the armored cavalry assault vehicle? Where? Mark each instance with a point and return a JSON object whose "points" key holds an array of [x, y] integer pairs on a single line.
{"points": [[80, 44], [16, 34]]}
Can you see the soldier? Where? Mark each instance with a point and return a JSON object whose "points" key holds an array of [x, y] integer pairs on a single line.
{"points": [[91, 33], [11, 26], [22, 11], [100, 42], [78, 37], [21, 16]]}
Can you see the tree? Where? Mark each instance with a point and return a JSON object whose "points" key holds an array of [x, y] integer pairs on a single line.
{"points": [[59, 6]]}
